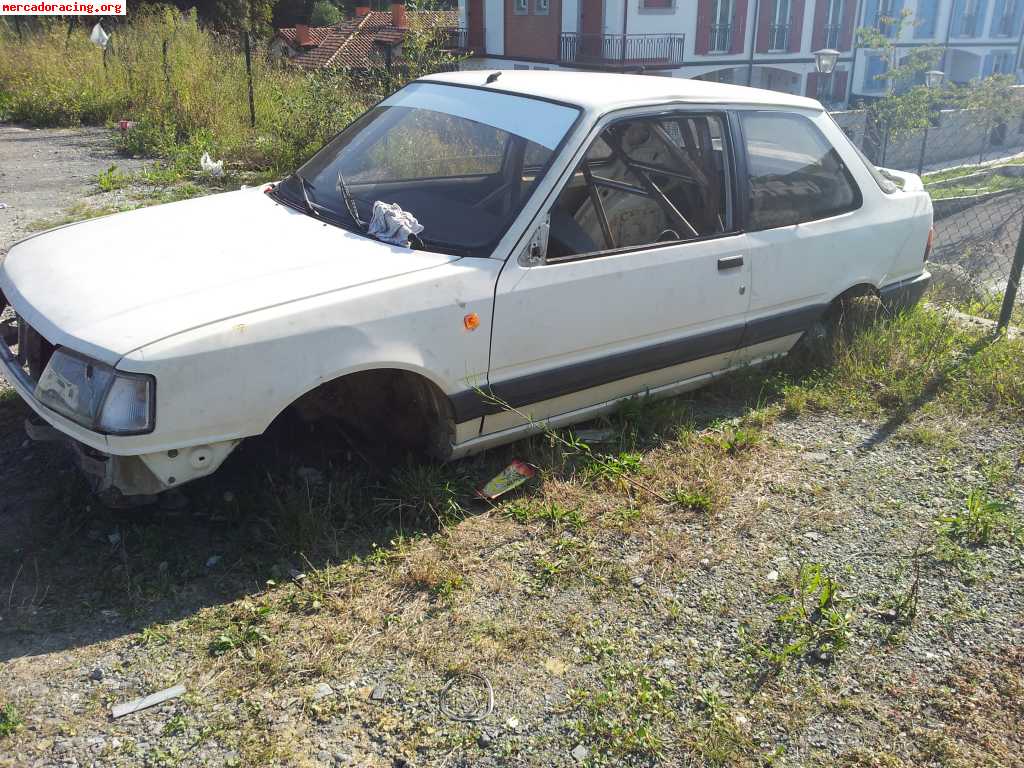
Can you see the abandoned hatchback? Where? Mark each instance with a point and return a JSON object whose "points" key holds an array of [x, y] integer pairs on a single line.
{"points": [[553, 242]]}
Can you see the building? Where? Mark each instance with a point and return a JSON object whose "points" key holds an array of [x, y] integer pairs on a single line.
{"points": [[764, 43], [369, 39]]}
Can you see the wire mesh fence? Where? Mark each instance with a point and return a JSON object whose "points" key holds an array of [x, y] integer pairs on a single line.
{"points": [[972, 164]]}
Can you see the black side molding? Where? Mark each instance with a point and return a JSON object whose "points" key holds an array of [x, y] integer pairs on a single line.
{"points": [[567, 379]]}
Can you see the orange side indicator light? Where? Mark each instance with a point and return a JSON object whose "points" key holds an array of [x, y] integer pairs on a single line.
{"points": [[471, 321]]}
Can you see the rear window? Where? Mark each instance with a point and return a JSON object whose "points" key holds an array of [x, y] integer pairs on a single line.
{"points": [[795, 173]]}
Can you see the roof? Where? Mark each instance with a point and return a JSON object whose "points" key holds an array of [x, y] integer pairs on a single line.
{"points": [[600, 91], [350, 43]]}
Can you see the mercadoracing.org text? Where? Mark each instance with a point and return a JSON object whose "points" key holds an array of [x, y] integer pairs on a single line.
{"points": [[61, 9]]}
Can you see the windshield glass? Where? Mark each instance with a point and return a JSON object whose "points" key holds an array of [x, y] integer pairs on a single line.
{"points": [[463, 161]]}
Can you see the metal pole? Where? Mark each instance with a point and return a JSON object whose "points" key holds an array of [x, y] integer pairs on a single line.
{"points": [[753, 43], [1013, 283], [625, 26], [248, 72]]}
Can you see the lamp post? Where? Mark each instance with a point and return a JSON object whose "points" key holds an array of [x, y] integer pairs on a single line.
{"points": [[932, 79], [825, 62]]}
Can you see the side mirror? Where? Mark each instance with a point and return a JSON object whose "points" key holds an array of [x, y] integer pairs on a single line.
{"points": [[536, 250]]}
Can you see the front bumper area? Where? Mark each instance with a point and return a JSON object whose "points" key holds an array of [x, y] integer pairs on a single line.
{"points": [[135, 476]]}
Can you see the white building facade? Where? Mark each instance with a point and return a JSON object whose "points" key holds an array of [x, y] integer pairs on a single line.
{"points": [[764, 43]]}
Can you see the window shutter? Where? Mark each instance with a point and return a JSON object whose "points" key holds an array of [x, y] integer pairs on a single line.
{"points": [[820, 20], [700, 45], [796, 25], [839, 85], [846, 34], [812, 85], [997, 17], [739, 27], [765, 12], [924, 19]]}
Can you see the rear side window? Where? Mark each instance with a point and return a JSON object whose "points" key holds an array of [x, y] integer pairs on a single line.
{"points": [[795, 173]]}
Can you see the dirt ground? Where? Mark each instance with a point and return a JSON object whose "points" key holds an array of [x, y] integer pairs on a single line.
{"points": [[43, 171]]}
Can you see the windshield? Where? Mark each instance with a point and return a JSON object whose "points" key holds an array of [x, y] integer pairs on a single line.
{"points": [[463, 161]]}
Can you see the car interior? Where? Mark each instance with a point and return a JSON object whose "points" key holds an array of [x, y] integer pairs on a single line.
{"points": [[643, 181]]}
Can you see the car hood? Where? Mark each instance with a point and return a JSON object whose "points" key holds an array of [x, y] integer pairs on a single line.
{"points": [[109, 286]]}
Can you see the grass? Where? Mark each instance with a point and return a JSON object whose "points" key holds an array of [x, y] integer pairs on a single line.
{"points": [[186, 90], [572, 593], [10, 720]]}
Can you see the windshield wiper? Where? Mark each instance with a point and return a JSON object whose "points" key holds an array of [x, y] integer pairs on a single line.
{"points": [[350, 203]]}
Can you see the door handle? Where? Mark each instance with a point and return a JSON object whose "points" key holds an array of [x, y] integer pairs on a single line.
{"points": [[730, 262]]}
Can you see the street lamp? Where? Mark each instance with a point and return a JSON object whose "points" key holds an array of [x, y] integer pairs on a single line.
{"points": [[932, 79], [825, 62]]}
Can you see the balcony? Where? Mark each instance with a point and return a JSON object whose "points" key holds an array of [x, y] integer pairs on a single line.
{"points": [[832, 32], [778, 37], [454, 38], [597, 50], [721, 38]]}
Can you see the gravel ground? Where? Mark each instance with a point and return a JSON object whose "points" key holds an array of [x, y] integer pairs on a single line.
{"points": [[628, 633], [43, 171]]}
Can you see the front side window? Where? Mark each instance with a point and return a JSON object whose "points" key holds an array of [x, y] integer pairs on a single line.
{"points": [[542, 7], [521, 7], [463, 161], [833, 23], [645, 182], [778, 34], [795, 174]]}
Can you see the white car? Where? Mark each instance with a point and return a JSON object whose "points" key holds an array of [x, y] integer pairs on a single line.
{"points": [[586, 237]]}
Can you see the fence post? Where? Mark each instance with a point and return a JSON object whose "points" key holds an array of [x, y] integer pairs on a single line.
{"points": [[248, 73], [924, 145], [1012, 283]]}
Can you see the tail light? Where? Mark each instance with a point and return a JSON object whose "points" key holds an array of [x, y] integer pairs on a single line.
{"points": [[928, 247]]}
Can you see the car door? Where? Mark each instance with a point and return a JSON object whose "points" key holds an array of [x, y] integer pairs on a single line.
{"points": [[644, 279], [807, 243]]}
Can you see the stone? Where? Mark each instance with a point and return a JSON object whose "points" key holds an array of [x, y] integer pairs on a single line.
{"points": [[484, 740], [772, 576], [580, 753], [637, 581], [96, 675], [378, 692], [323, 690]]}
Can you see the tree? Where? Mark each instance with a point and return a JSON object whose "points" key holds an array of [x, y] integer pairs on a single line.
{"points": [[324, 14]]}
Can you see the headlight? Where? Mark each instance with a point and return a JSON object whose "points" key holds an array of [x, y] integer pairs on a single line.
{"points": [[96, 396]]}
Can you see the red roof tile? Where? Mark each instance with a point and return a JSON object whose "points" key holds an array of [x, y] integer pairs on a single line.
{"points": [[350, 43]]}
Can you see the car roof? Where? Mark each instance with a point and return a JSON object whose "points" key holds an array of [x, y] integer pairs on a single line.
{"points": [[602, 92]]}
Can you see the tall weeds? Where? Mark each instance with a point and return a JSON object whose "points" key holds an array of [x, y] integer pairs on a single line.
{"points": [[185, 87]]}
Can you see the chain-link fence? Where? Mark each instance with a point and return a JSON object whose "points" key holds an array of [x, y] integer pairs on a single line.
{"points": [[972, 164]]}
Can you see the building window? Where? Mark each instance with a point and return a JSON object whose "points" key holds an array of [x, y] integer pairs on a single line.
{"points": [[968, 23], [778, 32], [1002, 63], [657, 5], [521, 7], [1004, 26], [722, 12], [541, 7], [833, 23], [888, 17]]}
